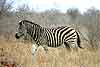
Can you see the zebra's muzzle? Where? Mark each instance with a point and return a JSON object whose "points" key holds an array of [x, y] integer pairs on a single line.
{"points": [[17, 37]]}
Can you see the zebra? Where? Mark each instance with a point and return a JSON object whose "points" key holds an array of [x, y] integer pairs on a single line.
{"points": [[48, 37]]}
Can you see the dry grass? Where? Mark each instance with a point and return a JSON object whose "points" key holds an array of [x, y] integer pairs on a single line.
{"points": [[20, 54]]}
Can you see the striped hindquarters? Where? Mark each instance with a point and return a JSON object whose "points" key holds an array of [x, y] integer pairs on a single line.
{"points": [[57, 36]]}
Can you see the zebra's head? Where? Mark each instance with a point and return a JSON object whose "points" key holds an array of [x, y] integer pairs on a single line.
{"points": [[26, 27], [21, 30]]}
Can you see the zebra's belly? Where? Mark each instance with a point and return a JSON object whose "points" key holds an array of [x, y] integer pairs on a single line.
{"points": [[54, 45]]}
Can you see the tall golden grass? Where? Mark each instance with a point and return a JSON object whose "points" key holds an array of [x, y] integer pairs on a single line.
{"points": [[20, 54]]}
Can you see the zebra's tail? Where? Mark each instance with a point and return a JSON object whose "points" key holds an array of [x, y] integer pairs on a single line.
{"points": [[78, 41]]}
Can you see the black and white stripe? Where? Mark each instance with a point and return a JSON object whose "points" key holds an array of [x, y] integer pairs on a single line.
{"points": [[45, 37]]}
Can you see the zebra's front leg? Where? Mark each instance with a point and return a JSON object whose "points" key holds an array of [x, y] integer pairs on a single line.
{"points": [[45, 48], [34, 48]]}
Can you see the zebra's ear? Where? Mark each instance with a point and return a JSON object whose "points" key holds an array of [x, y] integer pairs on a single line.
{"points": [[21, 22]]}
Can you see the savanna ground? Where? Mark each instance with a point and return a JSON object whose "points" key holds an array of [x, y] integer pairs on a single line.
{"points": [[19, 53]]}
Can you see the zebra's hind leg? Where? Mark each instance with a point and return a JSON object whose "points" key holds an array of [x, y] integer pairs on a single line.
{"points": [[67, 46], [74, 47]]}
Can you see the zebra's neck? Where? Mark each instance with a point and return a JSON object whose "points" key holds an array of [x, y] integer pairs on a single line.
{"points": [[35, 32]]}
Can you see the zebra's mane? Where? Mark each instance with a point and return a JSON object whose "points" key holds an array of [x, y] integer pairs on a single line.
{"points": [[27, 21]]}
